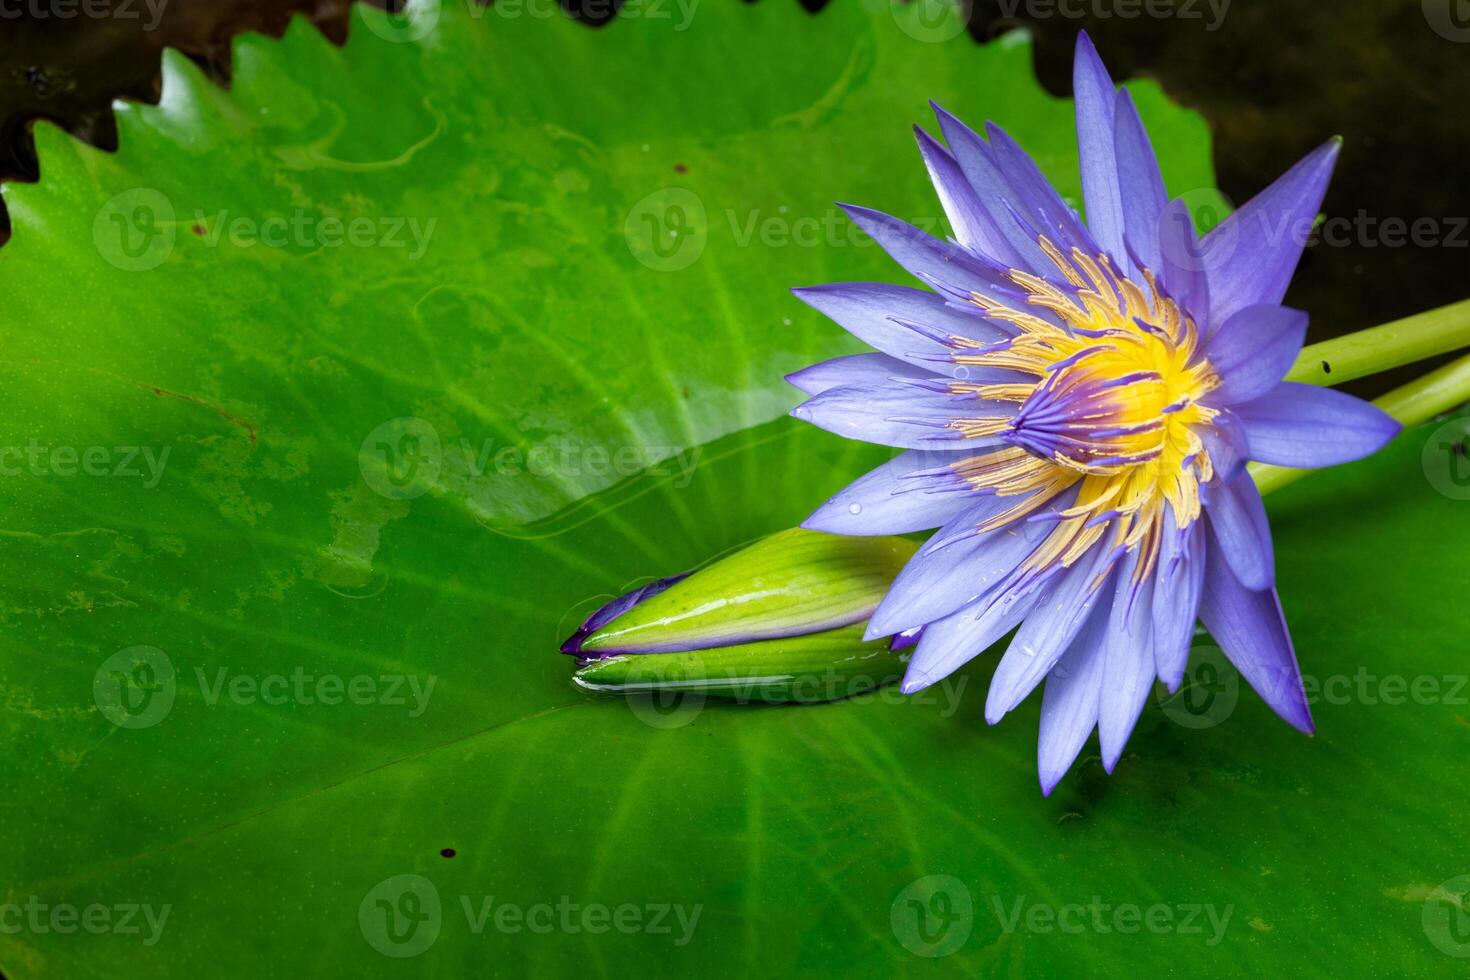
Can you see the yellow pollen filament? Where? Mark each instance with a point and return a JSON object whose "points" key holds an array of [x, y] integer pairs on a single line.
{"points": [[980, 428], [1114, 413]]}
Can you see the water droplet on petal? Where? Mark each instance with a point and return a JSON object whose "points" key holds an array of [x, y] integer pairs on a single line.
{"points": [[854, 508]]}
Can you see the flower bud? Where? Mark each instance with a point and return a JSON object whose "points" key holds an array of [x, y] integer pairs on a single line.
{"points": [[779, 620]]}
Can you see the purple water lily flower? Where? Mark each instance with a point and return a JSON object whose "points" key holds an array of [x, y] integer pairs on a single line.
{"points": [[1078, 403]]}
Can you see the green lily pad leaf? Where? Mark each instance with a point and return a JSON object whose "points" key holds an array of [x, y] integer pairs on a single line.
{"points": [[334, 401]]}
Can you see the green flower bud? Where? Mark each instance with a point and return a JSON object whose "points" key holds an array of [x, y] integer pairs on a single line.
{"points": [[779, 620]]}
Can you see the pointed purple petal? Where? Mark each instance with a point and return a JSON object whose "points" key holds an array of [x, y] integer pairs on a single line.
{"points": [[1252, 632], [892, 500], [1253, 350], [958, 566], [1018, 248], [1044, 637], [876, 313], [960, 637], [1140, 183], [1181, 577], [1096, 96], [973, 226], [928, 258], [1184, 266], [1251, 256], [1128, 663], [901, 414], [1041, 203], [1070, 701], [1309, 427], [853, 369], [1242, 531]]}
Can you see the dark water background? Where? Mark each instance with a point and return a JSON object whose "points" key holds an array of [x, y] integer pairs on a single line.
{"points": [[1273, 77]]}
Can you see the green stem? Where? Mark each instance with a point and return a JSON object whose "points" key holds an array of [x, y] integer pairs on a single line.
{"points": [[1418, 401], [1379, 348]]}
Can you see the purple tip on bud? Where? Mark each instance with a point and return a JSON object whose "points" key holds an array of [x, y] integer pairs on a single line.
{"points": [[612, 610]]}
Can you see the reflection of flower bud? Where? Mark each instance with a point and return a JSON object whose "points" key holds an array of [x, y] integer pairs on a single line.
{"points": [[780, 620]]}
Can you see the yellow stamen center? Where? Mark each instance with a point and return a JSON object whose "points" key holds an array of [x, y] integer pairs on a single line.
{"points": [[1114, 411]]}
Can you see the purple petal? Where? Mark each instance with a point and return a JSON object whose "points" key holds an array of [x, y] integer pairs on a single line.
{"points": [[973, 226], [853, 369], [1140, 183], [931, 259], [1224, 440], [1251, 631], [1180, 578], [877, 313], [899, 413], [1253, 350], [613, 609], [1046, 634], [960, 637], [959, 565], [1128, 663], [1242, 531], [1251, 256], [1306, 426], [1017, 248], [1070, 701], [892, 499], [906, 639], [1184, 266], [1041, 203], [1096, 98]]}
